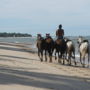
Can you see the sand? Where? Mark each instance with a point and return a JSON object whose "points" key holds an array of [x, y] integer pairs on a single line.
{"points": [[22, 70]]}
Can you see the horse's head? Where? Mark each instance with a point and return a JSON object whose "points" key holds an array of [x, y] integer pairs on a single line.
{"points": [[66, 39], [39, 36], [80, 40]]}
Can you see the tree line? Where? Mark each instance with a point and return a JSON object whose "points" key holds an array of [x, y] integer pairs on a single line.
{"points": [[5, 34]]}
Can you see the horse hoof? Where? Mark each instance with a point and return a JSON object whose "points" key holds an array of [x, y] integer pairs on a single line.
{"points": [[63, 63], [45, 60], [75, 63], [55, 58], [41, 60], [87, 66], [59, 61], [83, 66]]}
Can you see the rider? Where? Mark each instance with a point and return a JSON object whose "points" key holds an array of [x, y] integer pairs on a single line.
{"points": [[60, 32]]}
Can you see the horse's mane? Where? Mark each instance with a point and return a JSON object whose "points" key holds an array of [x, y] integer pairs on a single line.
{"points": [[67, 40], [85, 41], [49, 40]]}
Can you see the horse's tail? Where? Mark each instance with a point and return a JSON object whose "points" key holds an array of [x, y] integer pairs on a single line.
{"points": [[74, 51]]}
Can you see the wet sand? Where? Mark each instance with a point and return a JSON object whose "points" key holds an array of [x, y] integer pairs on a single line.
{"points": [[21, 69]]}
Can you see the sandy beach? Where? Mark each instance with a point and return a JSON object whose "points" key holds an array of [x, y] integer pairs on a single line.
{"points": [[22, 70]]}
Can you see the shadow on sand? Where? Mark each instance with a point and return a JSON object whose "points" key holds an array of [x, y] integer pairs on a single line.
{"points": [[11, 75], [18, 49]]}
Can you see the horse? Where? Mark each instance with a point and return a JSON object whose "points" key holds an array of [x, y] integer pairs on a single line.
{"points": [[83, 49], [60, 47], [70, 51], [49, 48], [41, 46]]}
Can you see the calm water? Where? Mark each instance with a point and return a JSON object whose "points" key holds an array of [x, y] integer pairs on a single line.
{"points": [[29, 39], [18, 40]]}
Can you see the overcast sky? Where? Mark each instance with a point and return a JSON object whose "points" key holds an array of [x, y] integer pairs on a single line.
{"points": [[44, 16]]}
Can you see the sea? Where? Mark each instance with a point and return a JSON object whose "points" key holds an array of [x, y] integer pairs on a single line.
{"points": [[30, 42]]}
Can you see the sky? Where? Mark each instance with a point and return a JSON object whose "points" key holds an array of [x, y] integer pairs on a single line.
{"points": [[44, 16]]}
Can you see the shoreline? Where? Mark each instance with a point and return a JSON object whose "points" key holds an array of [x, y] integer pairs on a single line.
{"points": [[28, 48]]}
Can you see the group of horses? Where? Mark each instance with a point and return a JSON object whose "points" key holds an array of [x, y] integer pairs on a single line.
{"points": [[62, 49]]}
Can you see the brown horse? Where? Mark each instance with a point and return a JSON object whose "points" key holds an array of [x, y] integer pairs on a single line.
{"points": [[49, 47], [41, 46], [60, 47], [45, 45]]}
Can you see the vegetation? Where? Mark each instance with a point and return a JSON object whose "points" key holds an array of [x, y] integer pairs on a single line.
{"points": [[5, 34]]}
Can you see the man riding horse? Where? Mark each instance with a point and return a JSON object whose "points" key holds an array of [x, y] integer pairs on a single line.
{"points": [[60, 35], [60, 44], [60, 32]]}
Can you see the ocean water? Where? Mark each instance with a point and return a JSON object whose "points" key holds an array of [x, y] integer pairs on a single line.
{"points": [[28, 40], [32, 42]]}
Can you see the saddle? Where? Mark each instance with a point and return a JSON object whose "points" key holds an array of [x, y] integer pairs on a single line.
{"points": [[59, 41]]}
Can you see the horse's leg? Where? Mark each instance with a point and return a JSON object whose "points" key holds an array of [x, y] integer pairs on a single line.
{"points": [[70, 58], [38, 53], [50, 56], [55, 55], [74, 58], [88, 58], [45, 55], [84, 62], [63, 59], [66, 56], [80, 58], [41, 55], [59, 61]]}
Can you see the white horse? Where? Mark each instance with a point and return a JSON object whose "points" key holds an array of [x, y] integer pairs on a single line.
{"points": [[70, 51], [83, 49]]}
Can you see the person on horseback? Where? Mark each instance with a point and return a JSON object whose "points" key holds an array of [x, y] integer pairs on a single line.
{"points": [[60, 32], [60, 44]]}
